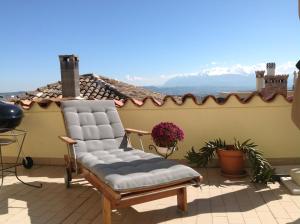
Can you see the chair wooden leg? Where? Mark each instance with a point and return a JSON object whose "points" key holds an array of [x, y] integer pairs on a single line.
{"points": [[106, 210], [182, 199], [68, 163]]}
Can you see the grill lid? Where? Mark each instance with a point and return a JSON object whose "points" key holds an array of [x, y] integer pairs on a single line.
{"points": [[10, 115]]}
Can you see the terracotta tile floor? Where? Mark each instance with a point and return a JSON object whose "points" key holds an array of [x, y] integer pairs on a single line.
{"points": [[219, 201]]}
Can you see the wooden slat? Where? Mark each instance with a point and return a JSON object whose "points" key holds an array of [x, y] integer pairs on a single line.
{"points": [[154, 191], [139, 132], [144, 198], [67, 140], [189, 182]]}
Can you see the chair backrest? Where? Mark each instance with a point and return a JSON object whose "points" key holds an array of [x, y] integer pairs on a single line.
{"points": [[95, 124]]}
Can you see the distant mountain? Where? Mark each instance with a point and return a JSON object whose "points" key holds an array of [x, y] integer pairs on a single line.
{"points": [[233, 81], [201, 85]]}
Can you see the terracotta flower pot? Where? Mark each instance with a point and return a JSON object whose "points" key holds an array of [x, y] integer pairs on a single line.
{"points": [[232, 163]]}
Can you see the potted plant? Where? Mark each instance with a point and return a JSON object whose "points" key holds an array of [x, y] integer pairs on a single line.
{"points": [[232, 159], [166, 135]]}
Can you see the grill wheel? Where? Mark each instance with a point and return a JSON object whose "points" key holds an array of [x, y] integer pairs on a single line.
{"points": [[27, 162]]}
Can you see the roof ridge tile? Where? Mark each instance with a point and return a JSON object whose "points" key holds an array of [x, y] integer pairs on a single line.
{"points": [[27, 104]]}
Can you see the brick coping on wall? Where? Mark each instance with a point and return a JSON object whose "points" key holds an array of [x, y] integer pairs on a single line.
{"points": [[27, 104]]}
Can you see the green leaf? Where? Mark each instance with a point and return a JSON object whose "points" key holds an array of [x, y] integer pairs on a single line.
{"points": [[261, 169]]}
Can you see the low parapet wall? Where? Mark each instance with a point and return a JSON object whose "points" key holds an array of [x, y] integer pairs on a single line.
{"points": [[267, 123]]}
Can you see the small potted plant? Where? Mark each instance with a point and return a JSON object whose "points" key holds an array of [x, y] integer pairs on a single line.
{"points": [[166, 135], [232, 159]]}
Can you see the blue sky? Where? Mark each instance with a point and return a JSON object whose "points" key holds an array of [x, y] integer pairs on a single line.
{"points": [[144, 42]]}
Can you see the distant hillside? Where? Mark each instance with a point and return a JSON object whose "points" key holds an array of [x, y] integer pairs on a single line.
{"points": [[196, 90], [7, 96], [202, 85], [233, 81]]}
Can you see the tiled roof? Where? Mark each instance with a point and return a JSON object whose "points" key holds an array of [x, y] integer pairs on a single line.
{"points": [[96, 87]]}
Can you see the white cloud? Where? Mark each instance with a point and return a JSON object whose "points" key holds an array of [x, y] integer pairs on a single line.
{"points": [[144, 81], [135, 78], [178, 75], [284, 68], [234, 69]]}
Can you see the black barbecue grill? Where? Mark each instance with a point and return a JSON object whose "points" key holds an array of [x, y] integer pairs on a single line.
{"points": [[10, 118]]}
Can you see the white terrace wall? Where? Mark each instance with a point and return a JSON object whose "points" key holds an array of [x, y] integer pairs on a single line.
{"points": [[268, 124]]}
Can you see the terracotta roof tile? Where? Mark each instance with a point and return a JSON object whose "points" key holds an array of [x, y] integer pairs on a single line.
{"points": [[97, 87], [120, 103]]}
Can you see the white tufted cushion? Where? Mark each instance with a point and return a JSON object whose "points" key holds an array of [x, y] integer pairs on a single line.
{"points": [[102, 147], [295, 174]]}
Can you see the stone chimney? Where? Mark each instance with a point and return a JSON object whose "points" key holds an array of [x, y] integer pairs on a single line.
{"points": [[69, 75], [260, 81], [271, 66]]}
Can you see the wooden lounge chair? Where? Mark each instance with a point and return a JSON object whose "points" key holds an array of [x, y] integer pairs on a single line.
{"points": [[99, 150]]}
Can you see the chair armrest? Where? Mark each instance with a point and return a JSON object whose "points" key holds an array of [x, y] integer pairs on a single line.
{"points": [[139, 132], [67, 140]]}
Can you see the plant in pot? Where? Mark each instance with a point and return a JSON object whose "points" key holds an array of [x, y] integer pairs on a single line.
{"points": [[166, 135], [232, 159]]}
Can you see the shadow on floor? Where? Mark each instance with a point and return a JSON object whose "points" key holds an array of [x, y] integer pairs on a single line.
{"points": [[53, 201], [42, 171], [205, 206], [295, 222], [41, 204]]}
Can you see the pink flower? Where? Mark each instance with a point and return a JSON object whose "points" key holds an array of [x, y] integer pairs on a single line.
{"points": [[166, 134]]}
